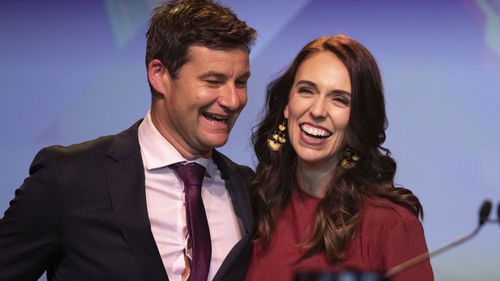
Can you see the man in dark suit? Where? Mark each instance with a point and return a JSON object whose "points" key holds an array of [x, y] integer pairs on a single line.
{"points": [[114, 208]]}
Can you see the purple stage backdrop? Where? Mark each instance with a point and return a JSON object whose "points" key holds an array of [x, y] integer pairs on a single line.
{"points": [[74, 70]]}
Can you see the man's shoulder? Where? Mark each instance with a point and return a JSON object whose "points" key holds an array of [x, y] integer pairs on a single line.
{"points": [[97, 147], [97, 144], [226, 165]]}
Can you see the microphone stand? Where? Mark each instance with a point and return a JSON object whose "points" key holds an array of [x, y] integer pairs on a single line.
{"points": [[484, 213]]}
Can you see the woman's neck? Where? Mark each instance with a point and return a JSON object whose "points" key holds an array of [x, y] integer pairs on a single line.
{"points": [[314, 179]]}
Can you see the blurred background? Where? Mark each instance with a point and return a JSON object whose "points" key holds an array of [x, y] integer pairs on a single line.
{"points": [[74, 70]]}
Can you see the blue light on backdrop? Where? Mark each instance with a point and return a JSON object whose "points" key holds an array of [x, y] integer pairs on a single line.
{"points": [[74, 70]]}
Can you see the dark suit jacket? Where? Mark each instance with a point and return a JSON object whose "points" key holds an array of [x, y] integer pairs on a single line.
{"points": [[81, 215]]}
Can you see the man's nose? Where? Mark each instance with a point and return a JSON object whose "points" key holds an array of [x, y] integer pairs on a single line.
{"points": [[232, 98]]}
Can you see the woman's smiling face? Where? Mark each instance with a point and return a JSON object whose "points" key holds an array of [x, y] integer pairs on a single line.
{"points": [[318, 109]]}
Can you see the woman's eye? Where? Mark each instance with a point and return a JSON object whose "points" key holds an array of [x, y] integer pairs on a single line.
{"points": [[304, 90], [341, 100]]}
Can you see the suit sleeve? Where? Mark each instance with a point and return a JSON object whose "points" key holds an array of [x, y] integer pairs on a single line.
{"points": [[29, 230], [247, 173], [405, 241]]}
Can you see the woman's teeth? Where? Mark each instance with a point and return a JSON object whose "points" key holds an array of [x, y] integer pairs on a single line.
{"points": [[315, 132]]}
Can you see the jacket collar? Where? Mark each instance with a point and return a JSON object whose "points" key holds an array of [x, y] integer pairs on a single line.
{"points": [[125, 175]]}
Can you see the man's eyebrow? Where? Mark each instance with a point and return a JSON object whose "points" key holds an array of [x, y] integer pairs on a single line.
{"points": [[212, 75], [245, 76], [221, 76]]}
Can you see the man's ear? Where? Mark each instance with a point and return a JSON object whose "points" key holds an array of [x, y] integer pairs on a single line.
{"points": [[158, 76]]}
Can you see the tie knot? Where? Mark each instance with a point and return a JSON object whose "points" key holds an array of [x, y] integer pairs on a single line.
{"points": [[191, 173]]}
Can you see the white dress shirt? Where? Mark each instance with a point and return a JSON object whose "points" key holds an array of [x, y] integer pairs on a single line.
{"points": [[166, 208]]}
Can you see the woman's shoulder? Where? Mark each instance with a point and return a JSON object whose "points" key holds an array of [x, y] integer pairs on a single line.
{"points": [[380, 210], [383, 220]]}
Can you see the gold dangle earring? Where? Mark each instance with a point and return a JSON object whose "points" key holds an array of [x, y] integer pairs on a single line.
{"points": [[348, 158], [278, 138]]}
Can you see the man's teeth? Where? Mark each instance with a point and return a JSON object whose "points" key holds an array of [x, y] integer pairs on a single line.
{"points": [[217, 118], [315, 132]]}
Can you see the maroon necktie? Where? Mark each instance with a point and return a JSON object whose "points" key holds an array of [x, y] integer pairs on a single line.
{"points": [[192, 175]]}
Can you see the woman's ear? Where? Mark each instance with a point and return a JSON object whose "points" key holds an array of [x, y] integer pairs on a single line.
{"points": [[158, 76], [285, 112]]}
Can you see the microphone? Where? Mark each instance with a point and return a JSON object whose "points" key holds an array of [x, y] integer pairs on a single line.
{"points": [[498, 212], [484, 213], [497, 220]]}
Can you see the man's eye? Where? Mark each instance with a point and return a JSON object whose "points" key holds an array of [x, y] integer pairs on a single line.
{"points": [[241, 83]]}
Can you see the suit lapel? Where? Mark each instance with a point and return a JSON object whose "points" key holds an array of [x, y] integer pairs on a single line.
{"points": [[125, 175], [237, 188]]}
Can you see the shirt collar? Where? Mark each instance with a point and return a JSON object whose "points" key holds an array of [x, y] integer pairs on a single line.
{"points": [[159, 153]]}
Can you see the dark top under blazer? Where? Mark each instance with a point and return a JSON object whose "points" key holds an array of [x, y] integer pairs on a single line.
{"points": [[82, 215]]}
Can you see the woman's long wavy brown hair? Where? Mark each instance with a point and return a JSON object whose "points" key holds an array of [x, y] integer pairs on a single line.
{"points": [[338, 213]]}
